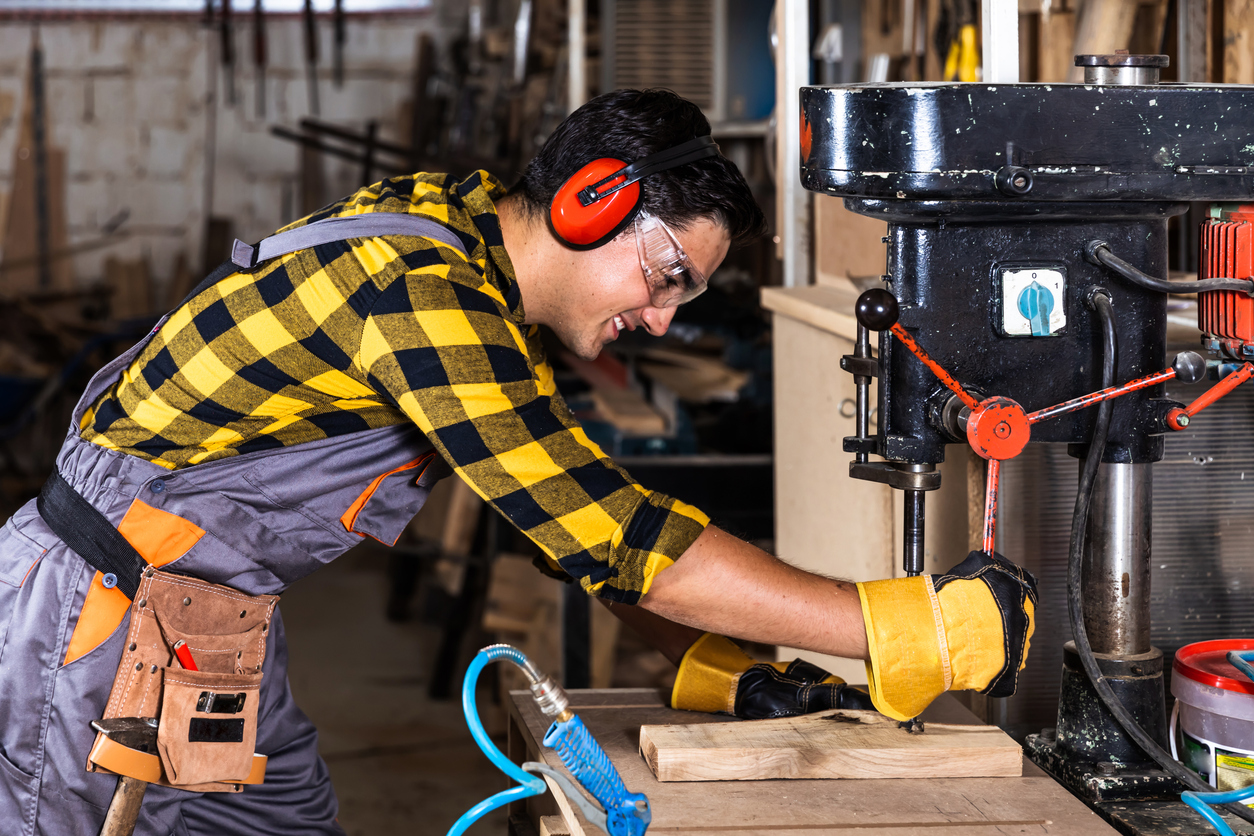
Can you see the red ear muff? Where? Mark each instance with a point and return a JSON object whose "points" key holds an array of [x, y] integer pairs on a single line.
{"points": [[586, 227], [601, 198]]}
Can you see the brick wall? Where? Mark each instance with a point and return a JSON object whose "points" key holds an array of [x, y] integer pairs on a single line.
{"points": [[133, 104]]}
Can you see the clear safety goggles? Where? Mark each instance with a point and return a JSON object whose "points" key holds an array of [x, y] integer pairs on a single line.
{"points": [[672, 277]]}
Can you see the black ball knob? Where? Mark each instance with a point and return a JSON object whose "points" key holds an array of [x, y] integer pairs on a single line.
{"points": [[1190, 367], [876, 309]]}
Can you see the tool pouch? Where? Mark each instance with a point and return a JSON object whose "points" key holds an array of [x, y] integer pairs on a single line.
{"points": [[208, 716]]}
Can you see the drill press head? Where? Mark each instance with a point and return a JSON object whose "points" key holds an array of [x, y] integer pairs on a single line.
{"points": [[991, 193]]}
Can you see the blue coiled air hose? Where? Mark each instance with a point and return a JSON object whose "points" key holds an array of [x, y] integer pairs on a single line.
{"points": [[622, 813], [528, 784]]}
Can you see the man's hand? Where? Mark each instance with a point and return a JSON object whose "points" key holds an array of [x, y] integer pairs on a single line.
{"points": [[717, 676], [966, 629]]}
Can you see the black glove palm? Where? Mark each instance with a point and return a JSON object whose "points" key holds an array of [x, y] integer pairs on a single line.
{"points": [[765, 692]]}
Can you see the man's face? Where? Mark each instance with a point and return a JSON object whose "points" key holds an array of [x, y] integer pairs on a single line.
{"points": [[607, 293]]}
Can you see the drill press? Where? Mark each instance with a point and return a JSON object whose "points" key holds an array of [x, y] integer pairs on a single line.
{"points": [[1027, 238]]}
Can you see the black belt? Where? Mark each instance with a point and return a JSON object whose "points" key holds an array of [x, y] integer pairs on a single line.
{"points": [[89, 533]]}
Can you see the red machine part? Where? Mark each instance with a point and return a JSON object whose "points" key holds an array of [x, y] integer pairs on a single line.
{"points": [[1227, 251], [1178, 418], [998, 429]]}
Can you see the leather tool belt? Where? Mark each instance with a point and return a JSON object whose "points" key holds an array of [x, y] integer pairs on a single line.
{"points": [[192, 660]]}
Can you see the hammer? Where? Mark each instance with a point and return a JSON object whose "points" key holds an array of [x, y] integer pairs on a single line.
{"points": [[139, 733]]}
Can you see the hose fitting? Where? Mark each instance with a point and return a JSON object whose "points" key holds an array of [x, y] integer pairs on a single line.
{"points": [[550, 697]]}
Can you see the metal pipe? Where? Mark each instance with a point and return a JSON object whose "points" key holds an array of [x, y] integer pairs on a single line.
{"points": [[1115, 575], [862, 404]]}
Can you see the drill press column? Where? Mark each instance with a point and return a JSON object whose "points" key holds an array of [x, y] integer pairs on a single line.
{"points": [[1116, 572]]}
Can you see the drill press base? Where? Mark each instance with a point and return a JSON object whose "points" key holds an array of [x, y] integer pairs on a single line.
{"points": [[1089, 752]]}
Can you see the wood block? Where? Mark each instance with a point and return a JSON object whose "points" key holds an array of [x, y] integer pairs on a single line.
{"points": [[553, 826], [1101, 27], [628, 411], [1238, 42], [695, 377], [830, 744], [846, 243], [132, 287]]}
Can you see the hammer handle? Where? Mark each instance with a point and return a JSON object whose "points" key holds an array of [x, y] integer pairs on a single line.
{"points": [[124, 808]]}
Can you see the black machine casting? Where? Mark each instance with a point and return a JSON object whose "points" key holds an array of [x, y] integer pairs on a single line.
{"points": [[1027, 234]]}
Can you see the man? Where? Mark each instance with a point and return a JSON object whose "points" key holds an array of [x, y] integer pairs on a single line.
{"points": [[292, 407]]}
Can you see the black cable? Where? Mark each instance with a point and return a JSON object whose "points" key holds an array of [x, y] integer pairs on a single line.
{"points": [[1100, 302], [1099, 253]]}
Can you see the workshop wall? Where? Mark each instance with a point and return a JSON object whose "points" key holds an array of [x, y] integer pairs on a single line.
{"points": [[137, 106]]}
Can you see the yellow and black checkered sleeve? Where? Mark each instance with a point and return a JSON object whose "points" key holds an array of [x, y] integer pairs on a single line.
{"points": [[445, 348]]}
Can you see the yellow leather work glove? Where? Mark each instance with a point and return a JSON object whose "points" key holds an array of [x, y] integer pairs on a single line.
{"points": [[966, 629], [717, 676]]}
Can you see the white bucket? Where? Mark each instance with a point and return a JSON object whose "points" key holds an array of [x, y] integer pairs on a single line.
{"points": [[1212, 724]]}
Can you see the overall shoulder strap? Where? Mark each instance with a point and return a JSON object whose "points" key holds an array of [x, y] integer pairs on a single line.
{"points": [[369, 225], [325, 231]]}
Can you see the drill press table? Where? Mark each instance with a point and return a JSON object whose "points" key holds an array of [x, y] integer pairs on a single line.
{"points": [[1033, 803]]}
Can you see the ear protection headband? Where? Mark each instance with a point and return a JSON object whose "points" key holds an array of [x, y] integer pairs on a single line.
{"points": [[600, 199]]}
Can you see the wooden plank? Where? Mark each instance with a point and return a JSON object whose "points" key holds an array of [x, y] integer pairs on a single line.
{"points": [[1102, 26], [831, 744], [553, 826], [970, 806], [628, 411], [1056, 46], [132, 287], [21, 240], [1238, 42], [846, 244], [826, 308]]}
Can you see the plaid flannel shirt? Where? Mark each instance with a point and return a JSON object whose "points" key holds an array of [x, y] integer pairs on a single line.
{"points": [[372, 332]]}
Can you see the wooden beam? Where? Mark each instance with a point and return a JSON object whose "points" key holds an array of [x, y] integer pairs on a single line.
{"points": [[1102, 27], [1238, 42], [830, 744]]}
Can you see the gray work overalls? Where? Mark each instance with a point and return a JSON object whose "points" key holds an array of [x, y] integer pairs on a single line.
{"points": [[269, 518]]}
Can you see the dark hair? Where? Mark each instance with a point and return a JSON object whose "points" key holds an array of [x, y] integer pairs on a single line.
{"points": [[630, 124]]}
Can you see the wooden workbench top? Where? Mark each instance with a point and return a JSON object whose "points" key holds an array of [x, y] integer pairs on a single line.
{"points": [[1033, 803]]}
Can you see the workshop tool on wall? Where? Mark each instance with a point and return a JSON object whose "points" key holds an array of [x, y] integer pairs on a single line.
{"points": [[1015, 215], [340, 27], [226, 33], [310, 29], [956, 39], [39, 125], [259, 55], [362, 148], [616, 811]]}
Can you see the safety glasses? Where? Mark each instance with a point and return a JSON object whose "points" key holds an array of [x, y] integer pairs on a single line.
{"points": [[672, 277]]}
